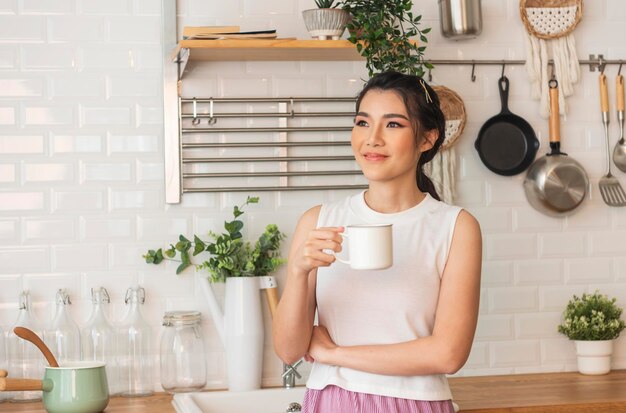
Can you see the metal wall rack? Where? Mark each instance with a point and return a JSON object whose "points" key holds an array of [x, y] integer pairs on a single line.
{"points": [[214, 158]]}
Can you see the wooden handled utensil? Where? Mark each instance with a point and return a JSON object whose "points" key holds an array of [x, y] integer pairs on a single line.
{"points": [[612, 192], [29, 335], [7, 384]]}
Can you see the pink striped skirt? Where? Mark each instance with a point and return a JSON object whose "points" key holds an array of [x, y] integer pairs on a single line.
{"points": [[333, 399]]}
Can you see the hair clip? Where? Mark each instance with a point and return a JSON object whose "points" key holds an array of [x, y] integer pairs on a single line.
{"points": [[428, 98]]}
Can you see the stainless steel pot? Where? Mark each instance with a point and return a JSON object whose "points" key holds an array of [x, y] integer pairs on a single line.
{"points": [[556, 184], [460, 19]]}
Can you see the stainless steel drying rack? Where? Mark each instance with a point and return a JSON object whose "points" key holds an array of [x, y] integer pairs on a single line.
{"points": [[198, 117]]}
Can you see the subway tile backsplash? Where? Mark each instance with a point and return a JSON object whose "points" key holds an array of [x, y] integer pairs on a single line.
{"points": [[82, 166]]}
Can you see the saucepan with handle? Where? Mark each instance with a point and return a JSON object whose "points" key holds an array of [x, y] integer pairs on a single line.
{"points": [[72, 387], [556, 184]]}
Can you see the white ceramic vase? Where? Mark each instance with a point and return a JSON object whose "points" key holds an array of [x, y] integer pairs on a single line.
{"points": [[594, 357], [326, 24], [240, 327]]}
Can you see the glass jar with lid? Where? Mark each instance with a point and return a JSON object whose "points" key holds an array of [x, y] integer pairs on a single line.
{"points": [[183, 366]]}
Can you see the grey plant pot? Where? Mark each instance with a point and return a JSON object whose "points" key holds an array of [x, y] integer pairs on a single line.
{"points": [[325, 24]]}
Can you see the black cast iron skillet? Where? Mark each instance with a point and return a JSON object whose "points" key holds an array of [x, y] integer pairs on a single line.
{"points": [[506, 143]]}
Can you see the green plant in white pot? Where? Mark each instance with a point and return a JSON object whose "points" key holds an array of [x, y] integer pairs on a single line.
{"points": [[593, 322], [246, 269], [327, 22]]}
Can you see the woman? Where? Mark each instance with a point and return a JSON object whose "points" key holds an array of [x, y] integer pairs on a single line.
{"points": [[385, 339]]}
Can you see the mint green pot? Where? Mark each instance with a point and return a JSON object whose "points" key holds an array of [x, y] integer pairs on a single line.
{"points": [[78, 387]]}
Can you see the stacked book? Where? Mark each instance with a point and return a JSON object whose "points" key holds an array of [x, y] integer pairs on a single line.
{"points": [[225, 32]]}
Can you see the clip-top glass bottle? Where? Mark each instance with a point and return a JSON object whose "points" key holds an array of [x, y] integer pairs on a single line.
{"points": [[25, 360], [3, 360], [63, 336], [98, 337], [183, 366], [134, 338]]}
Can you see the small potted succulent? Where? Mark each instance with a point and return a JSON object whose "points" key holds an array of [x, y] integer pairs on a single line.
{"points": [[593, 322], [327, 21]]}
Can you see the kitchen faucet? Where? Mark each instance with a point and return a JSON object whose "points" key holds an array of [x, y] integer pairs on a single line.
{"points": [[290, 373]]}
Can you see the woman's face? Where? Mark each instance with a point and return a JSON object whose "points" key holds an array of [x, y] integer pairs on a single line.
{"points": [[383, 139]]}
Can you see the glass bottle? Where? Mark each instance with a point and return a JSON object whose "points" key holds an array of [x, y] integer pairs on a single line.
{"points": [[63, 336], [183, 366], [3, 360], [98, 337], [134, 338], [25, 360]]}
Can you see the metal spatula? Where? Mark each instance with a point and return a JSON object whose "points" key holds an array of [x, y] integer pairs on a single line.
{"points": [[612, 192]]}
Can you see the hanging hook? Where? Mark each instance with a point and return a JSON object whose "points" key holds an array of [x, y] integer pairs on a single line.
{"points": [[430, 75], [291, 111], [552, 76], [196, 120], [601, 64], [503, 66], [619, 71], [212, 120], [473, 76]]}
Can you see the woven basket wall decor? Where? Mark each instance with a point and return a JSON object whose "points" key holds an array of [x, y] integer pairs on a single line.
{"points": [[454, 111], [549, 19], [442, 168], [549, 25]]}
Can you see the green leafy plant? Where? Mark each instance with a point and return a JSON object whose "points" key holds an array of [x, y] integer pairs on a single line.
{"points": [[382, 32], [592, 317], [325, 4], [230, 256]]}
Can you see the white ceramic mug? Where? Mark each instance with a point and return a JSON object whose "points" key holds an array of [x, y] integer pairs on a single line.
{"points": [[369, 246]]}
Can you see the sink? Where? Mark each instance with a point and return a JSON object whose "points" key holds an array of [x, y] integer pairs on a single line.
{"points": [[255, 401]]}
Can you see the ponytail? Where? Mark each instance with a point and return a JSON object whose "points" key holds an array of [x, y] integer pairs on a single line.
{"points": [[425, 184]]}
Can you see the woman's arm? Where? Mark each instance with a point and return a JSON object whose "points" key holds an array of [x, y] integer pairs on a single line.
{"points": [[447, 349], [293, 323]]}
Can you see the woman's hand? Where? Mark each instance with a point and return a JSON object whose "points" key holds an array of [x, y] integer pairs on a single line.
{"points": [[311, 253], [321, 346]]}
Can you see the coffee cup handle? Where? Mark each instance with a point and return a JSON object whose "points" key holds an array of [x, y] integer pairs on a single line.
{"points": [[344, 235]]}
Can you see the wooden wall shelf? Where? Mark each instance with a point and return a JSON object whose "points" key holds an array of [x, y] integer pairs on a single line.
{"points": [[275, 49]]}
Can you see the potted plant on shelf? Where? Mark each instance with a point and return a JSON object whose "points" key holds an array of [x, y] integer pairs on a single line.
{"points": [[593, 322], [245, 269], [327, 21], [384, 33]]}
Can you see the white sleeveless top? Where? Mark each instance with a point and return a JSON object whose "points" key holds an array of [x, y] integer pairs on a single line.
{"points": [[361, 307]]}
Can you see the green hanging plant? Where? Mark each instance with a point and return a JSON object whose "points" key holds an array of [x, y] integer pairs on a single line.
{"points": [[383, 32]]}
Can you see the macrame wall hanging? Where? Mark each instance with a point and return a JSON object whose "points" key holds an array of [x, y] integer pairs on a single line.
{"points": [[442, 168], [549, 25]]}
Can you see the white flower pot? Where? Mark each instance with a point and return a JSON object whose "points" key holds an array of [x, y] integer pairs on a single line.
{"points": [[594, 357], [326, 24]]}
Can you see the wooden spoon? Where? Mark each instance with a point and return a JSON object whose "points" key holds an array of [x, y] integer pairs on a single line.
{"points": [[29, 335]]}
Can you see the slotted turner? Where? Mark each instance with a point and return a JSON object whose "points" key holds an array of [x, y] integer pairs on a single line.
{"points": [[612, 192]]}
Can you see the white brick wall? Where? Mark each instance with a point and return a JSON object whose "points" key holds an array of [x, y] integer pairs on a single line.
{"points": [[81, 166]]}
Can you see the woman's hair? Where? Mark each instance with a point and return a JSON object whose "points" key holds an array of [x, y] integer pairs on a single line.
{"points": [[422, 104]]}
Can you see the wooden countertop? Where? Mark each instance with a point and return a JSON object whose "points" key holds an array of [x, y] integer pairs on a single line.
{"points": [[523, 393]]}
